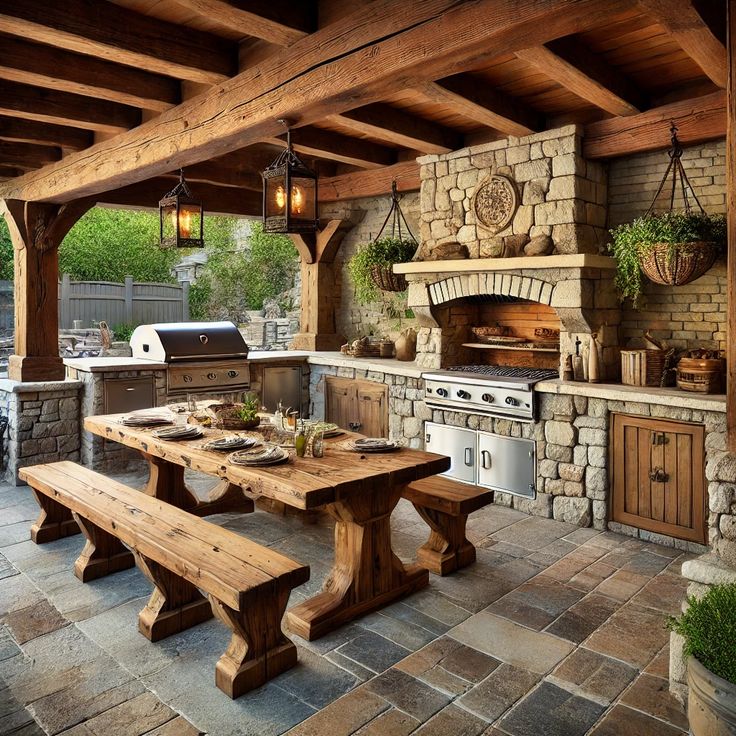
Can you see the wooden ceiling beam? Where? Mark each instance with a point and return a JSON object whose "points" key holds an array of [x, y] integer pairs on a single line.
{"points": [[310, 141], [369, 183], [485, 106], [31, 131], [576, 68], [326, 73], [698, 120], [48, 66], [220, 174], [221, 200], [400, 128], [683, 21], [110, 32], [65, 108], [27, 155], [10, 172], [277, 21]]}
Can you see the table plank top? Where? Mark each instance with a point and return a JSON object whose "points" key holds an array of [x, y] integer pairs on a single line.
{"points": [[304, 483]]}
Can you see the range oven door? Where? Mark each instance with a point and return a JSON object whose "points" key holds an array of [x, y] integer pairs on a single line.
{"points": [[507, 464], [457, 443]]}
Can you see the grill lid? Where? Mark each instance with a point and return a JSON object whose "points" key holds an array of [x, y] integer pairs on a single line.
{"points": [[188, 341]]}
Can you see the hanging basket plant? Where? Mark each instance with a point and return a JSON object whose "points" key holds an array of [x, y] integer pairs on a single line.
{"points": [[371, 268], [671, 248]]}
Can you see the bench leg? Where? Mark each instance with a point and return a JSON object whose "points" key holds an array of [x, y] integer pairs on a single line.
{"points": [[258, 649], [174, 605], [102, 555], [447, 548], [54, 522]]}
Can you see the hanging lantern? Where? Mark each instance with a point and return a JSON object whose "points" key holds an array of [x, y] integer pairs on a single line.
{"points": [[182, 217], [289, 194]]}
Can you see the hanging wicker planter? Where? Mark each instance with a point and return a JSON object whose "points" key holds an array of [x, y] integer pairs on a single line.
{"points": [[675, 264], [386, 280]]}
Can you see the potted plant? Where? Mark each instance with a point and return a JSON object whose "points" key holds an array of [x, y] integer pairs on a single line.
{"points": [[370, 268], [673, 248], [239, 416], [709, 629]]}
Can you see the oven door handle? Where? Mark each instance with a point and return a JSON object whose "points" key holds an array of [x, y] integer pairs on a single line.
{"points": [[469, 456], [485, 459]]}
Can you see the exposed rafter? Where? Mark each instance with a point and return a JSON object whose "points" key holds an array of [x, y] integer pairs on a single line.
{"points": [[682, 20], [220, 173], [485, 106], [311, 141], [582, 72], [27, 155], [370, 183], [277, 21], [117, 34], [64, 108], [321, 75], [698, 120], [31, 131], [400, 128]]}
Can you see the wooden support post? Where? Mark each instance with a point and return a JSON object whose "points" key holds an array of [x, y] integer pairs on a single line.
{"points": [[731, 213], [320, 288], [37, 229]]}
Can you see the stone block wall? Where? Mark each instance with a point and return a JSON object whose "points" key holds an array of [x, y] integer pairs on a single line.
{"points": [[560, 195], [43, 424], [687, 316]]}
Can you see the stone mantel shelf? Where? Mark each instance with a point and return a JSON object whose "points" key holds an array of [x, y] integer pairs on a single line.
{"points": [[536, 263]]}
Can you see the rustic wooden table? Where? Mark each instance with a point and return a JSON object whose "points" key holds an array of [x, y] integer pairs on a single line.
{"points": [[359, 490]]}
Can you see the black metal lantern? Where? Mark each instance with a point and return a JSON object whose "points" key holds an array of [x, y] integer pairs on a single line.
{"points": [[289, 194], [182, 217]]}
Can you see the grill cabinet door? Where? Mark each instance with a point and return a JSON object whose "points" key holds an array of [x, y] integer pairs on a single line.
{"points": [[128, 394], [372, 408], [458, 444], [284, 384], [339, 401], [507, 464], [657, 476]]}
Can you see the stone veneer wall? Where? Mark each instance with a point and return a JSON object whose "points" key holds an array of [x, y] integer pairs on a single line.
{"points": [[43, 423], [355, 320], [687, 316], [561, 195]]}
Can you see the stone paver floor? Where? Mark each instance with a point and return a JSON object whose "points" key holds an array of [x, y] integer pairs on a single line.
{"points": [[555, 631]]}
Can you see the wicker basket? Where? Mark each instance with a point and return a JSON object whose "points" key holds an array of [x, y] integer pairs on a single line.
{"points": [[642, 367], [370, 350], [702, 375], [678, 264], [386, 280], [226, 417]]}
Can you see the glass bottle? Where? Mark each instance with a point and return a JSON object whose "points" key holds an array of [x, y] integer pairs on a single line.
{"points": [[318, 445], [300, 441]]}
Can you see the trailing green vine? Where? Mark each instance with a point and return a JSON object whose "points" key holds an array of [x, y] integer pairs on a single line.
{"points": [[632, 240]]}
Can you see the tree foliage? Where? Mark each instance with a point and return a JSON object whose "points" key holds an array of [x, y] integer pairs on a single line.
{"points": [[6, 251]]}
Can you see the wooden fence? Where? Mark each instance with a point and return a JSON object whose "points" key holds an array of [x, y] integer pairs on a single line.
{"points": [[92, 301]]}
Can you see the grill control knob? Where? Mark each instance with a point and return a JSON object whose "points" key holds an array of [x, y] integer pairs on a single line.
{"points": [[187, 379], [511, 401], [489, 398], [442, 392], [232, 374], [212, 376], [463, 394]]}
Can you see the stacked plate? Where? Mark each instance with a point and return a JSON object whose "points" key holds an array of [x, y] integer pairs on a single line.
{"points": [[231, 443], [328, 429], [268, 454], [374, 444], [179, 432], [147, 420]]}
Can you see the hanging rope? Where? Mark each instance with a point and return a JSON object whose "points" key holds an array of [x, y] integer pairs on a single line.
{"points": [[677, 170], [396, 217]]}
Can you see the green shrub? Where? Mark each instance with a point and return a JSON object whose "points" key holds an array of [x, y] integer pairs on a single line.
{"points": [[709, 629], [200, 294], [6, 252], [383, 252], [123, 331], [632, 240]]}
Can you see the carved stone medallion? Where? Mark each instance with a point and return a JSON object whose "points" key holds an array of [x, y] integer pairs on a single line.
{"points": [[495, 202]]}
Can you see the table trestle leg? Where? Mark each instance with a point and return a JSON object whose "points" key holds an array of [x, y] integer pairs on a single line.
{"points": [[54, 520], [103, 553], [447, 548]]}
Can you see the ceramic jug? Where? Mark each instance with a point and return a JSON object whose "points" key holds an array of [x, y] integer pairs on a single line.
{"points": [[406, 345]]}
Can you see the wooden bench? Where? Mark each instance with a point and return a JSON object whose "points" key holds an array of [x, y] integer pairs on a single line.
{"points": [[445, 505], [248, 585]]}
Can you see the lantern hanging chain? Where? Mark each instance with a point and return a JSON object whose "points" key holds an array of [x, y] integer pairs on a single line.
{"points": [[678, 170], [182, 188], [396, 216]]}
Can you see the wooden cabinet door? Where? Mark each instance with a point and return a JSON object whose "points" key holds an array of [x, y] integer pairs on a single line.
{"points": [[340, 401], [372, 408], [657, 476]]}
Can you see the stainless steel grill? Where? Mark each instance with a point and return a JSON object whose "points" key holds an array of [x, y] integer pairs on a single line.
{"points": [[202, 357]]}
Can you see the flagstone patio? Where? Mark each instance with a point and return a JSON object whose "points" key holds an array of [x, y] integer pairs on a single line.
{"points": [[556, 630]]}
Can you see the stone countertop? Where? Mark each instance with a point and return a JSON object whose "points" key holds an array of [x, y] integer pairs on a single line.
{"points": [[378, 365], [111, 364], [641, 394], [23, 387]]}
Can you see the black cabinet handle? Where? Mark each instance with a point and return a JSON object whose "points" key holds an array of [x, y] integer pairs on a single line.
{"points": [[659, 476]]}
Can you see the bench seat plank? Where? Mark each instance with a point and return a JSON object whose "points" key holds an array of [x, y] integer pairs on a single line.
{"points": [[450, 496]]}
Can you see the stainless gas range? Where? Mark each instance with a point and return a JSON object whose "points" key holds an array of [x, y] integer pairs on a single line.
{"points": [[486, 389]]}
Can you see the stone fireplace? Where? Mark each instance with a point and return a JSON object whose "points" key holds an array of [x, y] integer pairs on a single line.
{"points": [[527, 217]]}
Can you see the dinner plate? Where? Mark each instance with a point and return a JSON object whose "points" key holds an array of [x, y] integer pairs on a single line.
{"points": [[187, 432], [267, 454], [231, 443], [146, 421], [374, 444]]}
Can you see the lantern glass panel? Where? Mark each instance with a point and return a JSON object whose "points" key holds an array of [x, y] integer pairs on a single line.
{"points": [[303, 207], [275, 195], [190, 221]]}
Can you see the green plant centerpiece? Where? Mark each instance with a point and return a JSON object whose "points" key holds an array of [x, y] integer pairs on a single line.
{"points": [[673, 248], [376, 256], [243, 415], [708, 628]]}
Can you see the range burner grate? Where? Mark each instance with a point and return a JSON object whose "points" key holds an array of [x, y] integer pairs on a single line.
{"points": [[538, 374]]}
